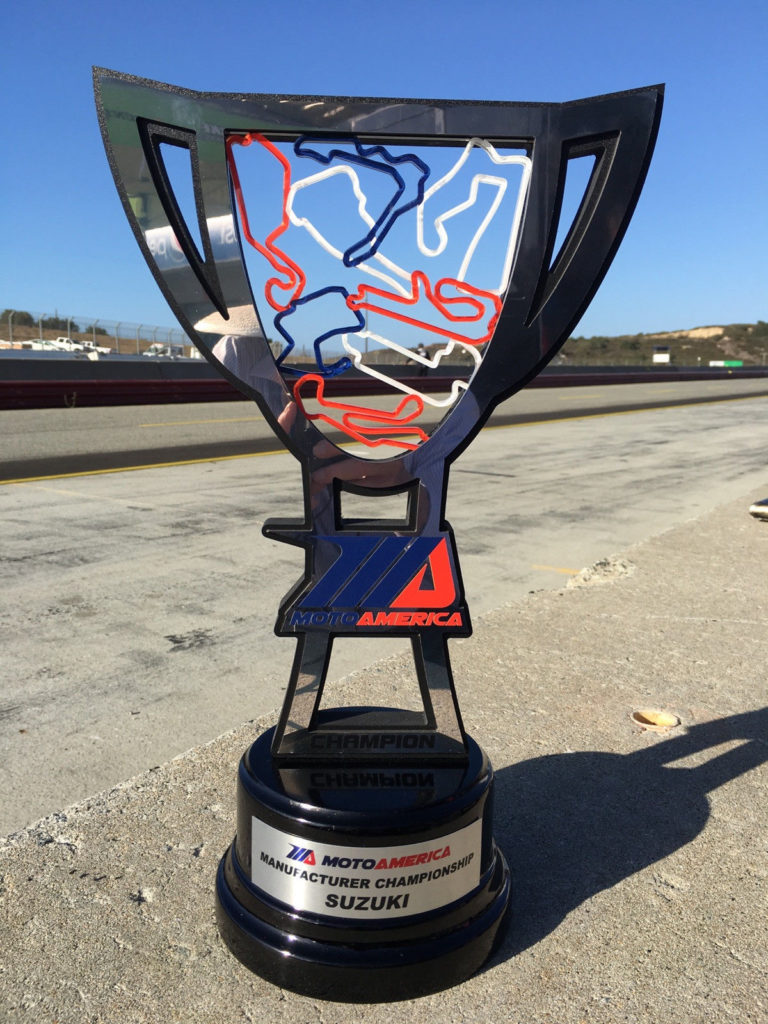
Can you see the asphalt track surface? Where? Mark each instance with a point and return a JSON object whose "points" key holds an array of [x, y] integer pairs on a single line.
{"points": [[136, 615], [64, 442], [137, 608]]}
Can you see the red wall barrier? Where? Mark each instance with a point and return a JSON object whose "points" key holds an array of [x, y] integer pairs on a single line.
{"points": [[49, 394]]}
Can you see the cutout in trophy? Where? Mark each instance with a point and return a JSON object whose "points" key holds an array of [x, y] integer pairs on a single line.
{"points": [[377, 274]]}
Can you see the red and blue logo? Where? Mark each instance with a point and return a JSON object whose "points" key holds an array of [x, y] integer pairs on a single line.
{"points": [[302, 854], [376, 582]]}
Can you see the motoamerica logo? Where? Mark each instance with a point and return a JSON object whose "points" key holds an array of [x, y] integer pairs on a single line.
{"points": [[307, 856], [384, 582]]}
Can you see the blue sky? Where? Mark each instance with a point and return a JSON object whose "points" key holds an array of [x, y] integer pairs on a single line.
{"points": [[695, 253]]}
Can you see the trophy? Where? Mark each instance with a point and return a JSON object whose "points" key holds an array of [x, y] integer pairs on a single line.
{"points": [[376, 274]]}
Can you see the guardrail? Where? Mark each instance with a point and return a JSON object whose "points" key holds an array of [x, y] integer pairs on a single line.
{"points": [[70, 393]]}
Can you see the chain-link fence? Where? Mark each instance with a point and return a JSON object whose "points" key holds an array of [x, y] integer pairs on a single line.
{"points": [[23, 329]]}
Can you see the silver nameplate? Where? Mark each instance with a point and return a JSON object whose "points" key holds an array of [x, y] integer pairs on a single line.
{"points": [[366, 881]]}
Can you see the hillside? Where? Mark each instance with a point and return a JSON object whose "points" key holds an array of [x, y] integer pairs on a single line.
{"points": [[696, 346], [693, 347]]}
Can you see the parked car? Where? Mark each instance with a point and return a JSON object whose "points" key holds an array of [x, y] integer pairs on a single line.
{"points": [[157, 350]]}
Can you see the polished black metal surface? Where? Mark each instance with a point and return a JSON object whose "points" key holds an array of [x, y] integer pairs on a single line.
{"points": [[372, 809], [198, 259], [364, 866]]}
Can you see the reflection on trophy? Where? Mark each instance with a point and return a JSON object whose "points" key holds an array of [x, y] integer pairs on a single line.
{"points": [[377, 275]]}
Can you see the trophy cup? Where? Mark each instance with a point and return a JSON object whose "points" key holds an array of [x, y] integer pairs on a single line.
{"points": [[409, 251]]}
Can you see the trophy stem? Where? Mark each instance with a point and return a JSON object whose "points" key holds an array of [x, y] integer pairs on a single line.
{"points": [[368, 578], [310, 666], [372, 733], [430, 652]]}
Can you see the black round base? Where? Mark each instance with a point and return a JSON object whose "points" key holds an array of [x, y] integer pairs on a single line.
{"points": [[317, 891]]}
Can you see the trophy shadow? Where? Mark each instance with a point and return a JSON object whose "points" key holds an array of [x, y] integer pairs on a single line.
{"points": [[574, 824]]}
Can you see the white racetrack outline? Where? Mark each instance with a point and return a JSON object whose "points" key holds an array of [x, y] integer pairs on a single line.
{"points": [[457, 386], [477, 180], [501, 185], [522, 193], [362, 209]]}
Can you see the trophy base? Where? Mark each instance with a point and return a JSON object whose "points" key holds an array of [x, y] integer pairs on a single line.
{"points": [[363, 882]]}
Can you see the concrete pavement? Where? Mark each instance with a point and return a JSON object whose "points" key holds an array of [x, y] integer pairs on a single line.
{"points": [[137, 609], [638, 857]]}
